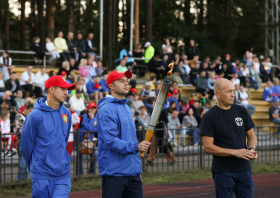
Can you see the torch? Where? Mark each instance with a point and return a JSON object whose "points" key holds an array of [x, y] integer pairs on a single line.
{"points": [[165, 87]]}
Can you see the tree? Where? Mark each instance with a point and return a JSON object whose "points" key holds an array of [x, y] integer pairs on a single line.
{"points": [[33, 20], [149, 20], [109, 33], [41, 24], [22, 23], [136, 21], [50, 18], [7, 26], [70, 8]]}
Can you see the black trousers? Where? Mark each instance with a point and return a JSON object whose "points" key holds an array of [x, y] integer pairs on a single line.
{"points": [[65, 56], [158, 72], [29, 88]]}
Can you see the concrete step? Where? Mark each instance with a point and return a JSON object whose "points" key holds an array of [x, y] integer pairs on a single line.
{"points": [[260, 103]]}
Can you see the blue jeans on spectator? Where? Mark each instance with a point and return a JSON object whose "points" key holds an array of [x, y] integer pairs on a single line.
{"points": [[92, 166], [196, 135], [6, 73], [249, 106], [241, 183], [276, 121], [23, 172], [55, 55], [149, 107]]}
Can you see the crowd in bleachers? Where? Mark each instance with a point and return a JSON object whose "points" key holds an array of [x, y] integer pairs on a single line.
{"points": [[81, 67]]}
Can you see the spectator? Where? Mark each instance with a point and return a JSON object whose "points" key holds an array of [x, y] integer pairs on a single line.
{"points": [[189, 124], [173, 87], [92, 57], [130, 64], [184, 74], [277, 72], [194, 73], [245, 100], [149, 52], [237, 97], [13, 84], [212, 68], [155, 67], [6, 129], [201, 84], [145, 96], [83, 88], [175, 98], [204, 98], [84, 70], [255, 76], [83, 96], [89, 123], [193, 98], [72, 47], [74, 70], [249, 56], [136, 102], [269, 93], [176, 59], [52, 73], [2, 83], [51, 49], [23, 172], [19, 100], [157, 87], [276, 87], [40, 78], [80, 45], [228, 62], [65, 68], [171, 106], [220, 75], [6, 65], [204, 68], [207, 60], [77, 102], [75, 121], [100, 69], [192, 50], [207, 106], [257, 64], [264, 73], [91, 70], [164, 64], [185, 106], [167, 49], [248, 77], [201, 112], [143, 118], [187, 67], [238, 70], [90, 48], [129, 103], [35, 47], [235, 79], [94, 89], [274, 113], [61, 46], [27, 82], [138, 52], [174, 126], [64, 76], [103, 82], [28, 100], [210, 83]]}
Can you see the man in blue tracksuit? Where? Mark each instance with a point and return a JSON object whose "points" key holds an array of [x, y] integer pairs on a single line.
{"points": [[44, 138], [118, 149]]}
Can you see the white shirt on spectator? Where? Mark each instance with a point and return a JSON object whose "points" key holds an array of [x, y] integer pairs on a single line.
{"points": [[2, 61], [50, 46], [40, 79], [257, 67], [77, 104], [245, 72], [5, 127], [187, 68], [75, 121], [25, 76], [243, 95], [169, 49], [235, 81]]}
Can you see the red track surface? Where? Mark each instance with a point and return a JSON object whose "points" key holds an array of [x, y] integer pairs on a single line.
{"points": [[265, 186]]}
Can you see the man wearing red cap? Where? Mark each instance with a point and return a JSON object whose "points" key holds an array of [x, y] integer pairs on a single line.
{"points": [[118, 150], [44, 139]]}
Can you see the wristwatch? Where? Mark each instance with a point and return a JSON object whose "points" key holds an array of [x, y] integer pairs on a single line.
{"points": [[251, 148]]}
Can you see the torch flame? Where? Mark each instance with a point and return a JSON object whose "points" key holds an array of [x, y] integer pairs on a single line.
{"points": [[171, 66]]}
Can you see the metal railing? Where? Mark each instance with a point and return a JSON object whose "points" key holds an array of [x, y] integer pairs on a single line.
{"points": [[162, 154]]}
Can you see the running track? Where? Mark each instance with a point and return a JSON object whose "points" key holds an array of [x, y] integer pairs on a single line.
{"points": [[265, 186]]}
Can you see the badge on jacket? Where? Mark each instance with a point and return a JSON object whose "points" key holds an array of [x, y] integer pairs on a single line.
{"points": [[65, 118]]}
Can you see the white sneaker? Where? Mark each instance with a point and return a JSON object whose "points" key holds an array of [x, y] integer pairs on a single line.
{"points": [[175, 143], [12, 152], [196, 144], [3, 153]]}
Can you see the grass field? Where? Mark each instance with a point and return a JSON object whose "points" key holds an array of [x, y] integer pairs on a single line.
{"points": [[94, 182]]}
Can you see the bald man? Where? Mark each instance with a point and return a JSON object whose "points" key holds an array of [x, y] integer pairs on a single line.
{"points": [[224, 129]]}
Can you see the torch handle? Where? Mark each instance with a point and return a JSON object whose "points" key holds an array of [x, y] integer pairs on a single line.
{"points": [[148, 137]]}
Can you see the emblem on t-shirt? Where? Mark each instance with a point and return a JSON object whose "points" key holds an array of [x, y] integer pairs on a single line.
{"points": [[239, 121], [65, 118]]}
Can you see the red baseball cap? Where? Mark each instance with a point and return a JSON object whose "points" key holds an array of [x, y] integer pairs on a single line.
{"points": [[175, 91], [115, 75], [169, 94], [91, 105], [133, 90], [227, 55], [63, 73], [58, 81]]}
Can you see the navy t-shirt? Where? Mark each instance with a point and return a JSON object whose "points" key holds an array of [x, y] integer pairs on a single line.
{"points": [[228, 128]]}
